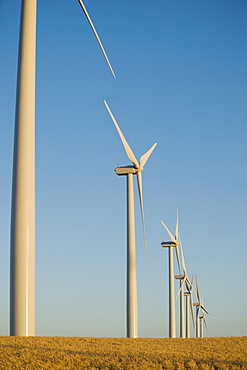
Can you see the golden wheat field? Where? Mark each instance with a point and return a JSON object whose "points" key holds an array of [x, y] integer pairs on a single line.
{"points": [[32, 353]]}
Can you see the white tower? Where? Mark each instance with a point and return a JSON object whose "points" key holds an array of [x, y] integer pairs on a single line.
{"points": [[22, 263]]}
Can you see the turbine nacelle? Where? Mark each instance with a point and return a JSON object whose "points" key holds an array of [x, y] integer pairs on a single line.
{"points": [[126, 170], [168, 244], [121, 171]]}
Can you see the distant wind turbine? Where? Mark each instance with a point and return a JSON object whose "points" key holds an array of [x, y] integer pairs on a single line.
{"points": [[184, 280], [173, 243], [199, 306], [129, 171], [22, 259]]}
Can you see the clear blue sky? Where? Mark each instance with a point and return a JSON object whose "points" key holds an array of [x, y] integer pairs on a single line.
{"points": [[182, 82]]}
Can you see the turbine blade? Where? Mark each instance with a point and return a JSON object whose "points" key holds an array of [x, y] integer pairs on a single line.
{"points": [[205, 323], [192, 282], [178, 259], [127, 148], [181, 287], [204, 309], [202, 306], [182, 254], [176, 231], [170, 234], [139, 183], [145, 156], [192, 311], [96, 35], [197, 312], [188, 284], [193, 276], [197, 290]]}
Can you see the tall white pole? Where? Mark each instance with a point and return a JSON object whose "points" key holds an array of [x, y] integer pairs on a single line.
{"points": [[182, 323], [182, 327], [22, 262], [132, 311], [187, 295], [172, 311]]}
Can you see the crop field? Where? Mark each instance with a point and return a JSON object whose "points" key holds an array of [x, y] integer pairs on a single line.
{"points": [[32, 353]]}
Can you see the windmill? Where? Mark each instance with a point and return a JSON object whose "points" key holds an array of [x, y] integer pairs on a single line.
{"points": [[129, 171], [173, 243], [22, 259], [184, 280], [199, 307]]}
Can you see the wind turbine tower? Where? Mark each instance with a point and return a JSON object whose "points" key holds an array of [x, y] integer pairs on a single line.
{"points": [[189, 307], [173, 243], [187, 296], [22, 262], [129, 171], [181, 292], [202, 320], [22, 235]]}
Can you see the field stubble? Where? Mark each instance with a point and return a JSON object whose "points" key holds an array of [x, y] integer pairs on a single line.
{"points": [[31, 353]]}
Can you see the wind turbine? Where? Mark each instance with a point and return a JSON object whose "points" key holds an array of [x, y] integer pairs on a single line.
{"points": [[173, 243], [184, 280], [199, 306], [22, 259], [129, 171]]}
